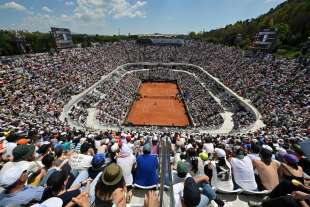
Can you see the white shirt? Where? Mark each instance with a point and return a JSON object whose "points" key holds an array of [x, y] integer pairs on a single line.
{"points": [[208, 147], [9, 147], [178, 192], [243, 173], [126, 163], [254, 156], [80, 161], [217, 180]]}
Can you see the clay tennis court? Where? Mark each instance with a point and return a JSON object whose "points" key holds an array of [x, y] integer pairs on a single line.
{"points": [[158, 106]]}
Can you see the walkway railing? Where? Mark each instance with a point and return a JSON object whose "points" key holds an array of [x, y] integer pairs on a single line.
{"points": [[166, 186]]}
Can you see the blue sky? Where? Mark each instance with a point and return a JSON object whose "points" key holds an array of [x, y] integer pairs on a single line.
{"points": [[131, 16]]}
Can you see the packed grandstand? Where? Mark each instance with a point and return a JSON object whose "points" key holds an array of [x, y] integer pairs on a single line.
{"points": [[65, 137]]}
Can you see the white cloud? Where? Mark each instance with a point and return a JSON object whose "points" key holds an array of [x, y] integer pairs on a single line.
{"points": [[88, 10], [123, 8], [274, 1], [13, 5], [40, 22], [69, 3], [89, 16], [46, 9], [96, 9]]}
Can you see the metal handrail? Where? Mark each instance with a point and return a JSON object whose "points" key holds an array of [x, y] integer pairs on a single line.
{"points": [[166, 185]]}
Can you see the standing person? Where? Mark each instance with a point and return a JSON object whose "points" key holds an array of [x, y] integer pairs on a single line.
{"points": [[154, 150], [126, 161], [146, 171]]}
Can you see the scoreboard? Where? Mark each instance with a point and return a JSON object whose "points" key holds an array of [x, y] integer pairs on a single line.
{"points": [[62, 37]]}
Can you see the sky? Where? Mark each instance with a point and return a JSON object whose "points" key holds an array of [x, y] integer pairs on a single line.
{"points": [[129, 16]]}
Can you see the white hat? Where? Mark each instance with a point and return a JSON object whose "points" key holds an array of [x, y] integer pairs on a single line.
{"points": [[180, 142], [220, 152], [45, 142], [9, 147], [51, 202], [82, 140], [268, 148], [155, 138], [90, 136], [106, 141], [189, 146], [114, 147], [63, 133], [280, 149], [10, 173]]}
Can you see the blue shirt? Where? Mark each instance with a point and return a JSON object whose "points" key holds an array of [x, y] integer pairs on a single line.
{"points": [[28, 194], [146, 173]]}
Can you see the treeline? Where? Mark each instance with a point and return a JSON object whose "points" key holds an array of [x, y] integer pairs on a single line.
{"points": [[36, 42], [291, 19]]}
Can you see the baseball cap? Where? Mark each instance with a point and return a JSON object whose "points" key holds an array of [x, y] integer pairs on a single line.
{"points": [[10, 173], [290, 158], [22, 152], [147, 148], [220, 152], [66, 146], [23, 141], [182, 167], [98, 160], [51, 202]]}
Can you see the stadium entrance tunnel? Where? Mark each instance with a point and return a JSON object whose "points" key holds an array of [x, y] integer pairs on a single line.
{"points": [[208, 105]]}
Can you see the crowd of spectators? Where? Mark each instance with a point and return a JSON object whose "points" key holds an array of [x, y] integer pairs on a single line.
{"points": [[245, 163], [44, 160], [204, 110], [30, 81], [117, 102], [106, 167]]}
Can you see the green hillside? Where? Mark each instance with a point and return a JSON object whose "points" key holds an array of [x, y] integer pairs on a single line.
{"points": [[291, 18]]}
